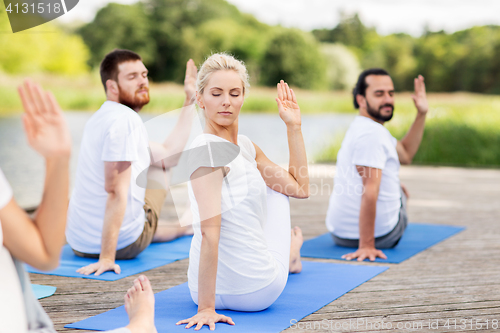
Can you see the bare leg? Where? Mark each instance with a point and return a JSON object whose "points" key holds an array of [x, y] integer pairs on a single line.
{"points": [[167, 232], [140, 306], [295, 245]]}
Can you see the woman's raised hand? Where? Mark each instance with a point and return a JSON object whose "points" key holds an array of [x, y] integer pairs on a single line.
{"points": [[206, 317], [44, 123], [287, 105]]}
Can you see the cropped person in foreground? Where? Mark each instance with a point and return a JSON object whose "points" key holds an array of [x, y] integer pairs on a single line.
{"points": [[367, 209], [38, 241]]}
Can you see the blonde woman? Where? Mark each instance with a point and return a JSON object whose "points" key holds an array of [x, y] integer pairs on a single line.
{"points": [[243, 246]]}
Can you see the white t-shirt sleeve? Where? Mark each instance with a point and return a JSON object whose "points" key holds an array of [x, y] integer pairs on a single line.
{"points": [[120, 143], [369, 151], [209, 151], [248, 144], [12, 313], [5, 191]]}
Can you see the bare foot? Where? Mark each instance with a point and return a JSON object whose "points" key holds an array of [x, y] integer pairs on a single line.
{"points": [[140, 306], [168, 232], [295, 245], [187, 231]]}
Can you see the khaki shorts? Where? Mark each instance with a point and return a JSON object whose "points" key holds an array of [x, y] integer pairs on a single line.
{"points": [[153, 202]]}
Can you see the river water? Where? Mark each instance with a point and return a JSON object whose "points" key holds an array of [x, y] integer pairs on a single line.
{"points": [[24, 168]]}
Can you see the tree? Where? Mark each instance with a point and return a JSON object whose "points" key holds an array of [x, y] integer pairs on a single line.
{"points": [[342, 66], [395, 53], [245, 41], [40, 51], [350, 31], [293, 56], [173, 28], [479, 67], [437, 56], [119, 26]]}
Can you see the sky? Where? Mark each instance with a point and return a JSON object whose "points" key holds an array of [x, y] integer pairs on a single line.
{"points": [[388, 16]]}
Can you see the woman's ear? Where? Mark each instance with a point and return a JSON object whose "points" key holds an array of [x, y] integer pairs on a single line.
{"points": [[199, 100]]}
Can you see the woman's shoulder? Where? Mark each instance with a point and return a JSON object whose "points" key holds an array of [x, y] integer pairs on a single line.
{"points": [[203, 138], [247, 144]]}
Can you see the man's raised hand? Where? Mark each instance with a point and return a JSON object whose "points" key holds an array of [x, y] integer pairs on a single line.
{"points": [[420, 97], [190, 81]]}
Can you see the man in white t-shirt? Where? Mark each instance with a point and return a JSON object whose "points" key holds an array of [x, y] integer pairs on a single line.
{"points": [[367, 208], [111, 214]]}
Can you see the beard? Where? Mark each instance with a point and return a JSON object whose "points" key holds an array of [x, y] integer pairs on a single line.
{"points": [[377, 113], [136, 101]]}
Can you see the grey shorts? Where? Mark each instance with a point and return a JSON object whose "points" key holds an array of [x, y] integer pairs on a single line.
{"points": [[386, 241]]}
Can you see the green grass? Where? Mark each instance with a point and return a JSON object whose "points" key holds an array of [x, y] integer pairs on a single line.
{"points": [[462, 129]]}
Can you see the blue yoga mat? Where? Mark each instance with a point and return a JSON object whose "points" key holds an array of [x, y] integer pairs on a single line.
{"points": [[43, 291], [318, 285], [417, 237], [155, 255]]}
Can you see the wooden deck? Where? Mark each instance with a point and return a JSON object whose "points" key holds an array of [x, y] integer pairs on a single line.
{"points": [[457, 280]]}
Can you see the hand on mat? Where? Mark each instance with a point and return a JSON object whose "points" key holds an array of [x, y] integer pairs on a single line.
{"points": [[103, 265], [288, 107], [206, 317], [363, 253], [190, 80], [420, 97], [44, 123]]}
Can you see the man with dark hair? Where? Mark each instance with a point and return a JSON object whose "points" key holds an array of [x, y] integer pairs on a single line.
{"points": [[110, 216], [367, 208]]}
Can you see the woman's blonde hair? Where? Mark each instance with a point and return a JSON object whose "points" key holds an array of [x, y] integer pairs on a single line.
{"points": [[217, 62]]}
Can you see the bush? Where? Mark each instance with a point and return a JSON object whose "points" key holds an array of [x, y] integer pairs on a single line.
{"points": [[461, 129], [293, 56], [43, 49], [342, 66]]}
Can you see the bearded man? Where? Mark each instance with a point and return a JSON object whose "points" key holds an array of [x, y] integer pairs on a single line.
{"points": [[110, 216], [367, 209]]}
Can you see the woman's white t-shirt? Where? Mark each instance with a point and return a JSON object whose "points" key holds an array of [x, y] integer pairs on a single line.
{"points": [[12, 313], [244, 264], [366, 143]]}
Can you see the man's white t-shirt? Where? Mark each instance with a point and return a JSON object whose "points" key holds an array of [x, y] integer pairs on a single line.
{"points": [[114, 133], [366, 143], [12, 312], [244, 264]]}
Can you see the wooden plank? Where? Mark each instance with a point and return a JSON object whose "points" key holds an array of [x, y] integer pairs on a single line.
{"points": [[457, 278]]}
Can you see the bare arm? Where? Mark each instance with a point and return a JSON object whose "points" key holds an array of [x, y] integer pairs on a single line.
{"points": [[207, 187], [408, 146], [371, 178], [117, 183], [38, 242], [295, 181], [170, 150], [209, 207]]}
